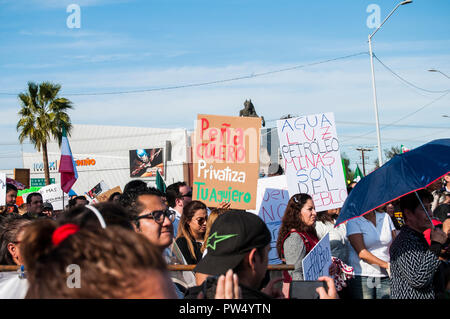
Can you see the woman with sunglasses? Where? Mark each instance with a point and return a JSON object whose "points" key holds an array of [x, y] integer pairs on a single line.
{"points": [[191, 231]]}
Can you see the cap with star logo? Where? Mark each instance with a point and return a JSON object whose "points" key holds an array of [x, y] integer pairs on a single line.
{"points": [[233, 235]]}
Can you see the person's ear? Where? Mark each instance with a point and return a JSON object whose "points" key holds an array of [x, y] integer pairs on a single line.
{"points": [[252, 255], [12, 250]]}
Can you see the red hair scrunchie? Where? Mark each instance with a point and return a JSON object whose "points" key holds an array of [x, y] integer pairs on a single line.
{"points": [[62, 232]]}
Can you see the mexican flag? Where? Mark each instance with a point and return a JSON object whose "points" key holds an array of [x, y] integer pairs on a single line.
{"points": [[358, 175], [67, 166], [160, 182], [404, 149]]}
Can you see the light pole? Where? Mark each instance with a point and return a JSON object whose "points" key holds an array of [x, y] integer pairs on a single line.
{"points": [[434, 70], [374, 90]]}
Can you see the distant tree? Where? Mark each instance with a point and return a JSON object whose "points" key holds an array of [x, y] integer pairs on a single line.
{"points": [[349, 173], [42, 116], [389, 154]]}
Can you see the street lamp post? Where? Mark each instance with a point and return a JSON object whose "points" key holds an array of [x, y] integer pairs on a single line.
{"points": [[374, 90], [434, 70]]}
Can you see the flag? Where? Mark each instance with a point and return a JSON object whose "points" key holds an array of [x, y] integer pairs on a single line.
{"points": [[160, 182], [404, 149], [358, 175], [345, 171], [67, 166]]}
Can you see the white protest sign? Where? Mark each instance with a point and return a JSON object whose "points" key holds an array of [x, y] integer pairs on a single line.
{"points": [[271, 211], [54, 195], [311, 154], [318, 261], [2, 189], [278, 182]]}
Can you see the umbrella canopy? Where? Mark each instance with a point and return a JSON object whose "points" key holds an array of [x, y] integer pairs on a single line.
{"points": [[403, 174]]}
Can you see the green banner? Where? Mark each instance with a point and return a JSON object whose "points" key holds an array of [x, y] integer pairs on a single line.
{"points": [[36, 182]]}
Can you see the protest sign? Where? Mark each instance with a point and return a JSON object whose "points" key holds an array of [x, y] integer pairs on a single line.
{"points": [[226, 160], [103, 197], [54, 195], [2, 189], [271, 211], [97, 190], [277, 182], [311, 152], [318, 261]]}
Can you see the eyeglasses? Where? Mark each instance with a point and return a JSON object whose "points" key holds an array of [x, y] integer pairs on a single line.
{"points": [[189, 194], [159, 215]]}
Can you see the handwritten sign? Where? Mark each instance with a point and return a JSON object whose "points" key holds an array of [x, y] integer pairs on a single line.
{"points": [[311, 153], [54, 195], [226, 160], [318, 261], [2, 189], [272, 209]]}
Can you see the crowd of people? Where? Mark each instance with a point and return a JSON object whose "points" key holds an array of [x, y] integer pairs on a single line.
{"points": [[124, 247]]}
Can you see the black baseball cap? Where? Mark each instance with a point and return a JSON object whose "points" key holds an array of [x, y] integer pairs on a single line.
{"points": [[47, 206], [232, 236]]}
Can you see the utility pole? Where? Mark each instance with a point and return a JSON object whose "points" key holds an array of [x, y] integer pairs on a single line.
{"points": [[362, 150]]}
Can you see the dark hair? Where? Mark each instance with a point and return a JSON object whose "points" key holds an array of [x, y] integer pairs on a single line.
{"points": [[183, 227], [291, 219], [411, 202], [73, 201], [31, 195], [111, 261], [131, 191], [441, 212], [10, 227], [111, 198], [173, 192], [10, 187], [113, 214], [324, 217]]}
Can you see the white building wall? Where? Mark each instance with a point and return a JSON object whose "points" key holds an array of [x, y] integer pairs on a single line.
{"points": [[109, 147]]}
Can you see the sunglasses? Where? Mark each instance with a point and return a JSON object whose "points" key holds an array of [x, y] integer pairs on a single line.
{"points": [[187, 195], [159, 215]]}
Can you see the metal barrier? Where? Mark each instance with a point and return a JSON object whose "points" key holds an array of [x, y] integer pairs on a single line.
{"points": [[279, 267]]}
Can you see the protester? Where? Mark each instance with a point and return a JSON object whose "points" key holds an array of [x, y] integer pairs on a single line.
{"points": [[240, 241], [13, 285], [338, 236], [35, 206], [297, 235], [178, 195], [191, 231], [78, 201], [48, 209], [414, 263], [10, 200], [114, 197], [11, 235], [370, 237], [111, 263], [440, 191]]}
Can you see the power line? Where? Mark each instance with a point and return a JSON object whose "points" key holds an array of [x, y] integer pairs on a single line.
{"points": [[405, 81], [250, 76]]}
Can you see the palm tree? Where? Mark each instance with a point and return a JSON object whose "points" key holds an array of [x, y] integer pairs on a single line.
{"points": [[43, 115]]}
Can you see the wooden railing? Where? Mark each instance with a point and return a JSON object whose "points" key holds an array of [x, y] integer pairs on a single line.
{"points": [[280, 267]]}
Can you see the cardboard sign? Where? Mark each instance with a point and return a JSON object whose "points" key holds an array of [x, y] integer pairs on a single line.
{"points": [[103, 197], [272, 209], [2, 189], [311, 154], [54, 195], [318, 261], [226, 160], [22, 175]]}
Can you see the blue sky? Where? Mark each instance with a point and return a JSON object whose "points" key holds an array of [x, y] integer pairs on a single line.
{"points": [[127, 45]]}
